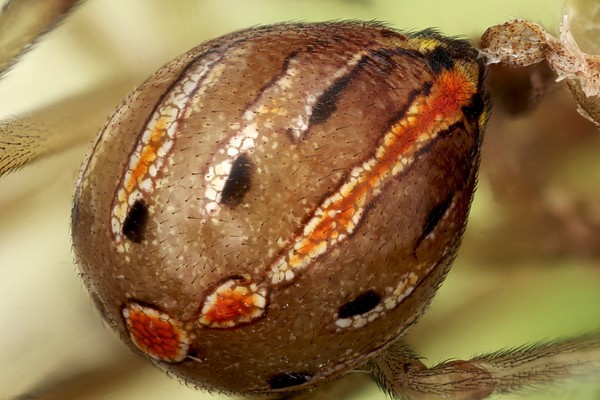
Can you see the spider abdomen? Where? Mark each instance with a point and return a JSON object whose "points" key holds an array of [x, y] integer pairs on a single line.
{"points": [[277, 205]]}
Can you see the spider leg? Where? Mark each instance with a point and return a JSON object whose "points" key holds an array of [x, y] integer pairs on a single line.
{"points": [[58, 126], [401, 373], [23, 22]]}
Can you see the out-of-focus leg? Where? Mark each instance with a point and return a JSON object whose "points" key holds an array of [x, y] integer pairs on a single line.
{"points": [[23, 22], [401, 373]]}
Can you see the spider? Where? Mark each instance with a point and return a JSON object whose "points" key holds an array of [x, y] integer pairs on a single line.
{"points": [[419, 335]]}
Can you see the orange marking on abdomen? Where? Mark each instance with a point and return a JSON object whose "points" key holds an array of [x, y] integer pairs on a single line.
{"points": [[230, 307], [156, 334], [149, 158], [234, 302], [339, 214]]}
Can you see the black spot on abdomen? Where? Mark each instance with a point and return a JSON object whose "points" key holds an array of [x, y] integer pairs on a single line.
{"points": [[476, 107], [440, 59], [285, 380], [135, 222], [363, 303], [434, 217], [238, 182]]}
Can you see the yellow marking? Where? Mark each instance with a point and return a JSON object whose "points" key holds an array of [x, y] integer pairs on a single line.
{"points": [[424, 45]]}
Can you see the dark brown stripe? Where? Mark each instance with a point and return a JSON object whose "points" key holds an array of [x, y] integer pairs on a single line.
{"points": [[381, 59], [327, 103], [282, 71]]}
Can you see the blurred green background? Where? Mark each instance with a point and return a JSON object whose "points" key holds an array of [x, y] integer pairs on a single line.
{"points": [[52, 343]]}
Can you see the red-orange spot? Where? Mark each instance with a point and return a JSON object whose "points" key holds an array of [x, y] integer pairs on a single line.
{"points": [[454, 90], [155, 333], [230, 306], [232, 303]]}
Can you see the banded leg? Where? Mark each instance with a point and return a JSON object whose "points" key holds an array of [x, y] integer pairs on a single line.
{"points": [[400, 372]]}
